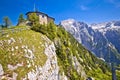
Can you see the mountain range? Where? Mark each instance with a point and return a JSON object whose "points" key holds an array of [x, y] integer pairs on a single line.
{"points": [[102, 39]]}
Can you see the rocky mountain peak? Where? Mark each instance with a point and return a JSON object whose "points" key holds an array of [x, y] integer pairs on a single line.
{"points": [[96, 37]]}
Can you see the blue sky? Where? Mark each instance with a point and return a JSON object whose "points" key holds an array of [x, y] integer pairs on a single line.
{"points": [[90, 11]]}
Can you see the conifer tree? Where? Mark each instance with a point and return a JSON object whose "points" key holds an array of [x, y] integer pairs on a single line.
{"points": [[21, 18], [34, 19], [6, 21]]}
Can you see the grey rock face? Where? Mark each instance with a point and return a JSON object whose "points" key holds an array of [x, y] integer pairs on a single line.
{"points": [[50, 69], [103, 39], [1, 70]]}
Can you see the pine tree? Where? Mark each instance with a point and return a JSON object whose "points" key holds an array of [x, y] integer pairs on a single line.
{"points": [[21, 18], [34, 19], [6, 21]]}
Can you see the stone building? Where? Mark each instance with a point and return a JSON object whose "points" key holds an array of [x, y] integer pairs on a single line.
{"points": [[43, 18]]}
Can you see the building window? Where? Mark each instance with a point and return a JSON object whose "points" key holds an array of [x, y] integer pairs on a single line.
{"points": [[43, 16]]}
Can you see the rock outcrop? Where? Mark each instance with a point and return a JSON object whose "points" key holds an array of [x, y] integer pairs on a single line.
{"points": [[1, 70], [48, 71]]}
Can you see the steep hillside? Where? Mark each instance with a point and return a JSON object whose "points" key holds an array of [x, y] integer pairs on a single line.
{"points": [[47, 52], [74, 60], [102, 39], [27, 54]]}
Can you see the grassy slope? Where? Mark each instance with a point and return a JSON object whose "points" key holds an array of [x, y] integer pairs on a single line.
{"points": [[67, 47], [13, 53]]}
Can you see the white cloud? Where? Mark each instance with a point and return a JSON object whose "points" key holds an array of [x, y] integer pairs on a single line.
{"points": [[84, 8]]}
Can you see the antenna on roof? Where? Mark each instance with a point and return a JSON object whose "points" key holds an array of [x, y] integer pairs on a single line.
{"points": [[34, 7]]}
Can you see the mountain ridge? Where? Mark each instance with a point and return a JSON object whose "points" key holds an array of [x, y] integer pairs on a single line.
{"points": [[102, 39]]}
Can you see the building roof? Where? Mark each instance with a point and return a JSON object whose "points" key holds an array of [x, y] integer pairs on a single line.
{"points": [[40, 13]]}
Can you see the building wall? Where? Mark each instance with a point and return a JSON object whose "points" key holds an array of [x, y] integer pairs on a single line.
{"points": [[49, 20], [43, 19]]}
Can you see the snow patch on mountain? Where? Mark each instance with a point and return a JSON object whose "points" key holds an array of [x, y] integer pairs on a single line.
{"points": [[97, 37], [103, 27]]}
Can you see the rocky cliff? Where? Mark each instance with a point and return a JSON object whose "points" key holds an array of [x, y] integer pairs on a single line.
{"points": [[101, 39], [27, 55], [47, 52]]}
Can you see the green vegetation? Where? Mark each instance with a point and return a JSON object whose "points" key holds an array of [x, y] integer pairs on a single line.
{"points": [[67, 48], [1, 26], [33, 18], [118, 74], [21, 18], [15, 46], [6, 21]]}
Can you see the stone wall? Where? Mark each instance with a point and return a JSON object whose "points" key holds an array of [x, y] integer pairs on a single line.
{"points": [[43, 19]]}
